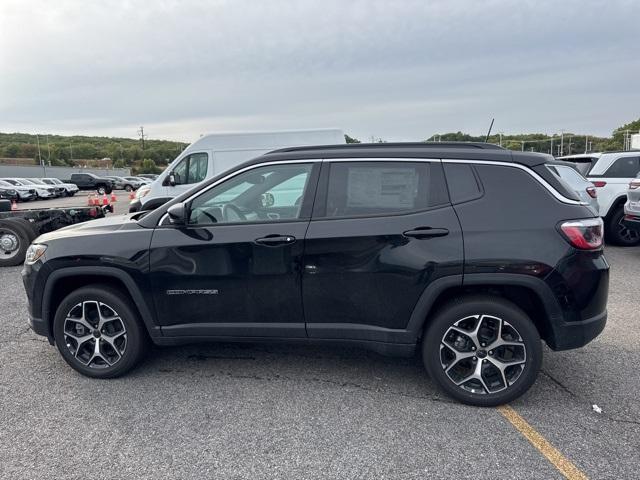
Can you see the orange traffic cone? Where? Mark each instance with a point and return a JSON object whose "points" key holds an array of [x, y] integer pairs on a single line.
{"points": [[14, 205], [105, 199], [96, 200], [113, 197], [90, 200]]}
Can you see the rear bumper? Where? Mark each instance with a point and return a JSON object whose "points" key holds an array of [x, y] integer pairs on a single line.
{"points": [[569, 335]]}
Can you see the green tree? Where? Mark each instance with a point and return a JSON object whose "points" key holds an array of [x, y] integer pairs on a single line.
{"points": [[148, 166], [349, 139]]}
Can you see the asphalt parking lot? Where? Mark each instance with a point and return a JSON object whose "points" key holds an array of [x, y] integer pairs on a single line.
{"points": [[283, 411]]}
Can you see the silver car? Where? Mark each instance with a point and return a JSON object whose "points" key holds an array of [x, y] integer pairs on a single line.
{"points": [[574, 179], [632, 207]]}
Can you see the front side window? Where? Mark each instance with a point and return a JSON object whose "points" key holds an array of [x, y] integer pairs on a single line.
{"points": [[263, 194], [624, 167], [191, 169], [377, 188]]}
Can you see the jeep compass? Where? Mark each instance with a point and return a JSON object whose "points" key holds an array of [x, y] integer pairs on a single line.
{"points": [[469, 253]]}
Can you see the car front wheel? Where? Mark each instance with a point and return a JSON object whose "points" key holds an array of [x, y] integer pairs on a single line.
{"points": [[98, 332], [482, 350]]}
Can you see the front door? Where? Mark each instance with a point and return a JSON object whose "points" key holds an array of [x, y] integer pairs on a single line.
{"points": [[234, 269], [381, 233]]}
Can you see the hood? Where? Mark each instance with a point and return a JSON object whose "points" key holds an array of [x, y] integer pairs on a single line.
{"points": [[105, 225]]}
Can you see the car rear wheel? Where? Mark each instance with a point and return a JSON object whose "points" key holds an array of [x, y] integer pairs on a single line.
{"points": [[482, 350], [102, 190], [14, 241], [98, 332], [618, 233]]}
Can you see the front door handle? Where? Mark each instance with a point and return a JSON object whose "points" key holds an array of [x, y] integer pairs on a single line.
{"points": [[426, 232], [275, 240]]}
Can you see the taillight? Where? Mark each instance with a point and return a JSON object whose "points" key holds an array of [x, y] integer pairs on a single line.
{"points": [[634, 184], [599, 183], [593, 193], [584, 234]]}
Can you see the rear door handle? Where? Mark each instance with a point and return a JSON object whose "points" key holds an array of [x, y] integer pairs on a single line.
{"points": [[426, 232], [275, 240]]}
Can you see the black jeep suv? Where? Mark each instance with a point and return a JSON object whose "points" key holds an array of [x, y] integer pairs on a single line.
{"points": [[470, 252]]}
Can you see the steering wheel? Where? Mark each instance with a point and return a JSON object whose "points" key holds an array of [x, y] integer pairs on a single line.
{"points": [[230, 208]]}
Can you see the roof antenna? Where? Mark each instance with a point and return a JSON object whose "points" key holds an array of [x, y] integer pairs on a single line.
{"points": [[489, 132]]}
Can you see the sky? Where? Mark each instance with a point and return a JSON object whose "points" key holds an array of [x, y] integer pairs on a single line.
{"points": [[396, 70]]}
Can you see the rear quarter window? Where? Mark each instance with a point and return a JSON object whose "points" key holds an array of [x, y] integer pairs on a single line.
{"points": [[463, 182]]}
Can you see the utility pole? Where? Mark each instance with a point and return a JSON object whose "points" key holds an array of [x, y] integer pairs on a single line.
{"points": [[500, 134], [142, 136], [39, 155], [522, 145], [586, 143], [48, 152], [561, 142], [570, 145], [551, 149], [71, 152]]}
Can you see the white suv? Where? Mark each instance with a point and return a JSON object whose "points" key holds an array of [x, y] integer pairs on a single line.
{"points": [[611, 173]]}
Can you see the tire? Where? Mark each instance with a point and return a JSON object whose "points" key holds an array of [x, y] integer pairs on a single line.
{"points": [[618, 234], [102, 190], [128, 188], [29, 228], [14, 242], [114, 361], [524, 348]]}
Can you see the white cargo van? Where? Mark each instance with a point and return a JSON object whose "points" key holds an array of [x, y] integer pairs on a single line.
{"points": [[212, 154]]}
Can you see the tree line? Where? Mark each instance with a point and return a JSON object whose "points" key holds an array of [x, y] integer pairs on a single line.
{"points": [[59, 150]]}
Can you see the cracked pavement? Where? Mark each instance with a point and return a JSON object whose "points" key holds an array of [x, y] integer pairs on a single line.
{"points": [[292, 411]]}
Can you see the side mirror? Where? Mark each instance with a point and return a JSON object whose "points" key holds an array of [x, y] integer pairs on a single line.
{"points": [[169, 180], [177, 214]]}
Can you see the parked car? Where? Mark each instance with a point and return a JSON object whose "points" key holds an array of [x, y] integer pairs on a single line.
{"points": [[70, 188], [213, 154], [90, 181], [24, 193], [40, 191], [632, 206], [141, 180], [150, 176], [360, 244], [583, 187], [125, 183], [60, 191], [7, 193], [611, 173]]}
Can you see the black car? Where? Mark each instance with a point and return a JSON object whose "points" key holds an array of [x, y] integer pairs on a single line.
{"points": [[468, 252]]}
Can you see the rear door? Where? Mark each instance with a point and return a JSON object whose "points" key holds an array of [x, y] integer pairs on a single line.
{"points": [[382, 231]]}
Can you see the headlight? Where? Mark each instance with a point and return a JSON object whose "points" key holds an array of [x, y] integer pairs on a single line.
{"points": [[142, 191], [34, 252]]}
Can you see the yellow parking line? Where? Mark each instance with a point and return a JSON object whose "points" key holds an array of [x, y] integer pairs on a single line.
{"points": [[562, 463]]}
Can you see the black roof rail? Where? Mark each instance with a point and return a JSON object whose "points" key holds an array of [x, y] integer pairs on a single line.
{"points": [[438, 145]]}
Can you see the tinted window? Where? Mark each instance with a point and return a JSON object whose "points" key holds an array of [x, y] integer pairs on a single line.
{"points": [[263, 194], [625, 167], [462, 182], [374, 188], [191, 169]]}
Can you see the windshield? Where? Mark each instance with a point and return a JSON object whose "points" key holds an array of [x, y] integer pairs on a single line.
{"points": [[37, 181], [4, 183], [24, 181], [12, 182]]}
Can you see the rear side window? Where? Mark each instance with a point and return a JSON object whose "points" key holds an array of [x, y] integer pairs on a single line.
{"points": [[463, 182], [624, 167], [382, 188]]}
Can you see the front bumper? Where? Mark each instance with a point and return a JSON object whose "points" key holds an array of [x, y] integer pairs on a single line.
{"points": [[40, 327], [632, 222]]}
